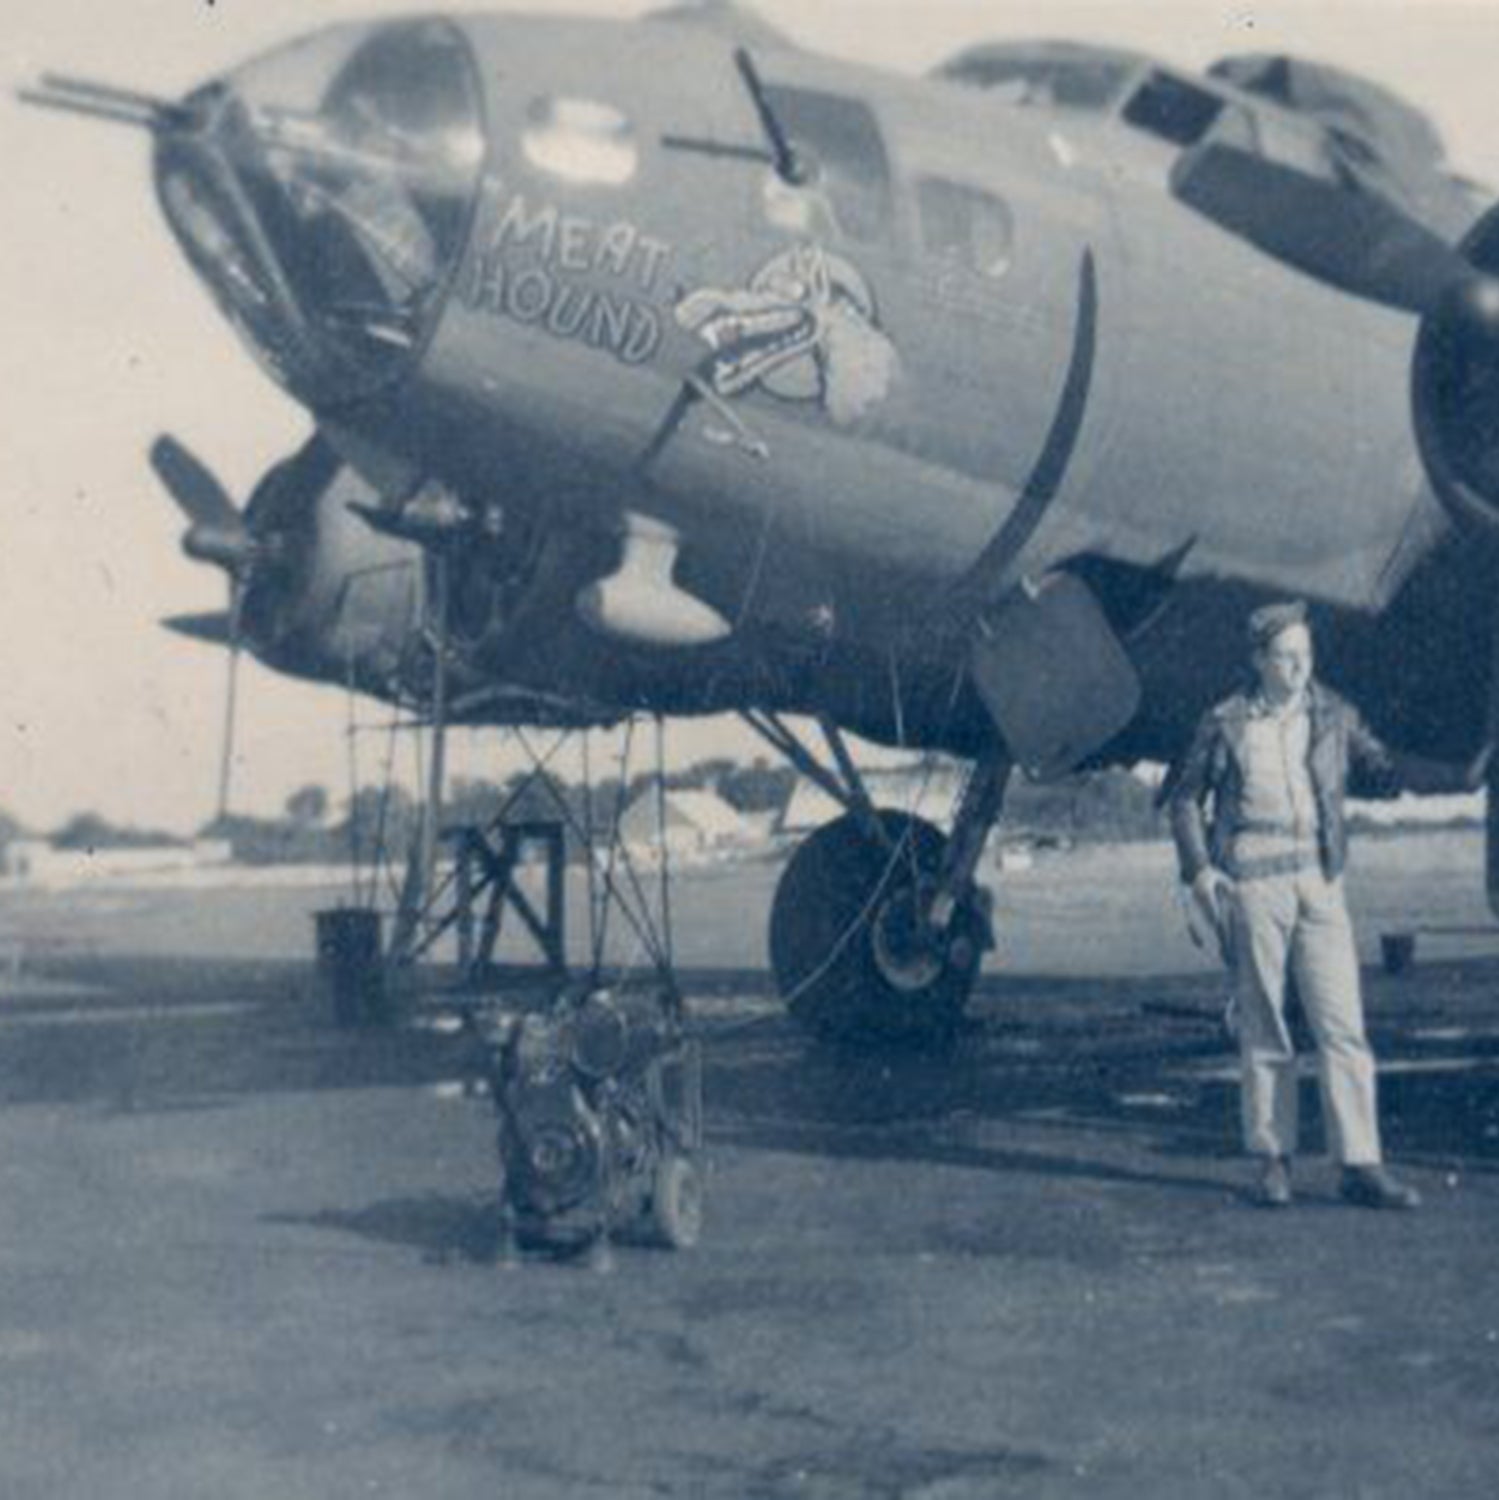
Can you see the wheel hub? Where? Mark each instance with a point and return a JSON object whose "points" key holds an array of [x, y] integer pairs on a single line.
{"points": [[910, 951]]}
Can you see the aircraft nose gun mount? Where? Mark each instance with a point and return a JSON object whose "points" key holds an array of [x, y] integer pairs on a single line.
{"points": [[599, 1102], [322, 193]]}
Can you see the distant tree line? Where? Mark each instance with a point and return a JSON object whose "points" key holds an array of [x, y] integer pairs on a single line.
{"points": [[91, 831], [1094, 807], [377, 819], [1106, 805], [1099, 806]]}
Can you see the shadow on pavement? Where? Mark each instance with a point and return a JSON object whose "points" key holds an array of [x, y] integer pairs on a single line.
{"points": [[440, 1228], [1138, 1069]]}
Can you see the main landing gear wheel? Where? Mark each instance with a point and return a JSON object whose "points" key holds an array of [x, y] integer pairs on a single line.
{"points": [[849, 942]]}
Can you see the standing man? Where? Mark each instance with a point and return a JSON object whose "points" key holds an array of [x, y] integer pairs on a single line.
{"points": [[1257, 814]]}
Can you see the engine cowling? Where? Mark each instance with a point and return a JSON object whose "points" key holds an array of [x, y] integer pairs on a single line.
{"points": [[1455, 387]]}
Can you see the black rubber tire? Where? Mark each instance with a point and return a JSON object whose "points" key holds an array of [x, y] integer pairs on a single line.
{"points": [[822, 944], [677, 1204]]}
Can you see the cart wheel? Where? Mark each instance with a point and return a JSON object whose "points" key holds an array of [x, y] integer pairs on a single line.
{"points": [[677, 1204]]}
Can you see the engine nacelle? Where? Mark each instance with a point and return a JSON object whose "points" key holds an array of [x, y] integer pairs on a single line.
{"points": [[324, 595], [1455, 387]]}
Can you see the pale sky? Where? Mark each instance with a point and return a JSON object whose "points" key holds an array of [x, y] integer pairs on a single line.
{"points": [[109, 340]]}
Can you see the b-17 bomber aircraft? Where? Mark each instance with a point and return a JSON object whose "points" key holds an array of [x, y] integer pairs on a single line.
{"points": [[967, 413]]}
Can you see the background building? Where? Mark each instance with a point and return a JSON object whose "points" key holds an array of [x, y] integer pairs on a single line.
{"points": [[697, 824]]}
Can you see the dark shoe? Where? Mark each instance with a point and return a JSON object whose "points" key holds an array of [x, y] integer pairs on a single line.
{"points": [[1274, 1187], [1373, 1187]]}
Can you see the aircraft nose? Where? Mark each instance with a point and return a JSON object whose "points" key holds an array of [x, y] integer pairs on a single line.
{"points": [[324, 193]]}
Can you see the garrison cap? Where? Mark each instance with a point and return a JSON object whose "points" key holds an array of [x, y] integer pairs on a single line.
{"points": [[1267, 623]]}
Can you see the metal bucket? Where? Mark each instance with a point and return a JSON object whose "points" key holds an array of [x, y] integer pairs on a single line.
{"points": [[351, 966]]}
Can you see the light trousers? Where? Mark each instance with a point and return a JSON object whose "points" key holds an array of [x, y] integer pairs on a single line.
{"points": [[1298, 924]]}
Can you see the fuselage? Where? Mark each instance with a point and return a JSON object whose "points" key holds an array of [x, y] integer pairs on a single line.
{"points": [[550, 265]]}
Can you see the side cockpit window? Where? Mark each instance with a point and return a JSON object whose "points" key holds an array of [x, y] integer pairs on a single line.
{"points": [[1091, 84], [839, 140], [1173, 109], [581, 141], [965, 227], [1186, 115], [1292, 143]]}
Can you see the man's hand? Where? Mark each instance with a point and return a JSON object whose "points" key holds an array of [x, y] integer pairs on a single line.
{"points": [[1212, 890], [1208, 918]]}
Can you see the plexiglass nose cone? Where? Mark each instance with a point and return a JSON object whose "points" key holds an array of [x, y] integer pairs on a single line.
{"points": [[325, 195]]}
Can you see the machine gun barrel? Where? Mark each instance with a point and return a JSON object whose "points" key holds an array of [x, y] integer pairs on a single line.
{"points": [[104, 101]]}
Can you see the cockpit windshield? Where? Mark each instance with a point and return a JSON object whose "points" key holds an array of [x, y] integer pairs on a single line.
{"points": [[1038, 80], [326, 199]]}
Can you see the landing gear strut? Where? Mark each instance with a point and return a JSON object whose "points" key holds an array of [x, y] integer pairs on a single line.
{"points": [[878, 930]]}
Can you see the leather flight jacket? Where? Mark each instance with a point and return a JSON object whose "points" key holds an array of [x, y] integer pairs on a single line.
{"points": [[1205, 795]]}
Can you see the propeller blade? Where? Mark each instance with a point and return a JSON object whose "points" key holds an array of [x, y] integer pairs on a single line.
{"points": [[214, 628], [189, 481], [1349, 237]]}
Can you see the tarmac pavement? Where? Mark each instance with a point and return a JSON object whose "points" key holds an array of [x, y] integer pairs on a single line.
{"points": [[243, 1254]]}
